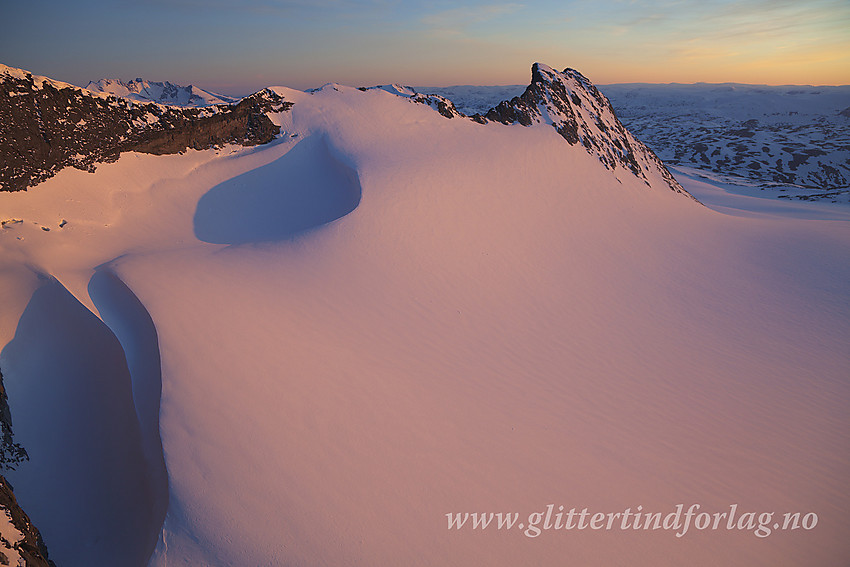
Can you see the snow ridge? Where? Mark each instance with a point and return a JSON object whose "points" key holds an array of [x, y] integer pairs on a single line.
{"points": [[439, 103]]}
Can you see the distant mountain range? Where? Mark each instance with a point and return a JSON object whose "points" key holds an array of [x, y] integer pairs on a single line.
{"points": [[160, 92]]}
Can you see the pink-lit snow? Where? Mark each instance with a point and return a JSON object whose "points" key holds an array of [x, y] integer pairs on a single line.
{"points": [[489, 321]]}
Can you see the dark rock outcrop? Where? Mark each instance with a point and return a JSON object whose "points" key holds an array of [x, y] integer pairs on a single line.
{"points": [[30, 547], [11, 453], [46, 126], [27, 544], [439, 103]]}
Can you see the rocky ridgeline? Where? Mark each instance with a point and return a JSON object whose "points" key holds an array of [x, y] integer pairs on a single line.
{"points": [[582, 115], [46, 126]]}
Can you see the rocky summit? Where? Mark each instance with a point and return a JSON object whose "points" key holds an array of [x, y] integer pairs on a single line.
{"points": [[582, 115]]}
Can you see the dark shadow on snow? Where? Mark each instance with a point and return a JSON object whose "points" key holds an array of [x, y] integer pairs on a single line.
{"points": [[89, 485], [132, 325], [303, 189]]}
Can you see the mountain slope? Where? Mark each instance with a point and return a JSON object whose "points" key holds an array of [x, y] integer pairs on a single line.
{"points": [[579, 112]]}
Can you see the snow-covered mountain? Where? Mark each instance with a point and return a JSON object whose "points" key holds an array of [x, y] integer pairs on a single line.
{"points": [[582, 115], [566, 100], [778, 138], [319, 350], [160, 92]]}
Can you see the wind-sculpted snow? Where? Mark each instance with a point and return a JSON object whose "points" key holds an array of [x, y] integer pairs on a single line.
{"points": [[305, 188], [88, 479], [131, 324], [502, 323]]}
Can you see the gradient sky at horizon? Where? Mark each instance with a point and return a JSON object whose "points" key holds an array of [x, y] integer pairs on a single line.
{"points": [[239, 47]]}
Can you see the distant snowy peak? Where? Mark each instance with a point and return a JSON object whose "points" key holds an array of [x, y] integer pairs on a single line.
{"points": [[582, 115], [161, 92]]}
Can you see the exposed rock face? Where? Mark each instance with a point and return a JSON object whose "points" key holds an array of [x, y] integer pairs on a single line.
{"points": [[439, 103], [20, 540], [46, 126], [11, 453], [582, 115]]}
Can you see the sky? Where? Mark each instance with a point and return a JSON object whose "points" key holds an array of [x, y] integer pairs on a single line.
{"points": [[239, 47]]}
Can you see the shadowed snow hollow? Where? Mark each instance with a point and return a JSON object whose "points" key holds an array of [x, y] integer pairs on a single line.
{"points": [[305, 188]]}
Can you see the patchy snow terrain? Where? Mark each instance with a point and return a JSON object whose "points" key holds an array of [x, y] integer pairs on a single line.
{"points": [[309, 352], [770, 135]]}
